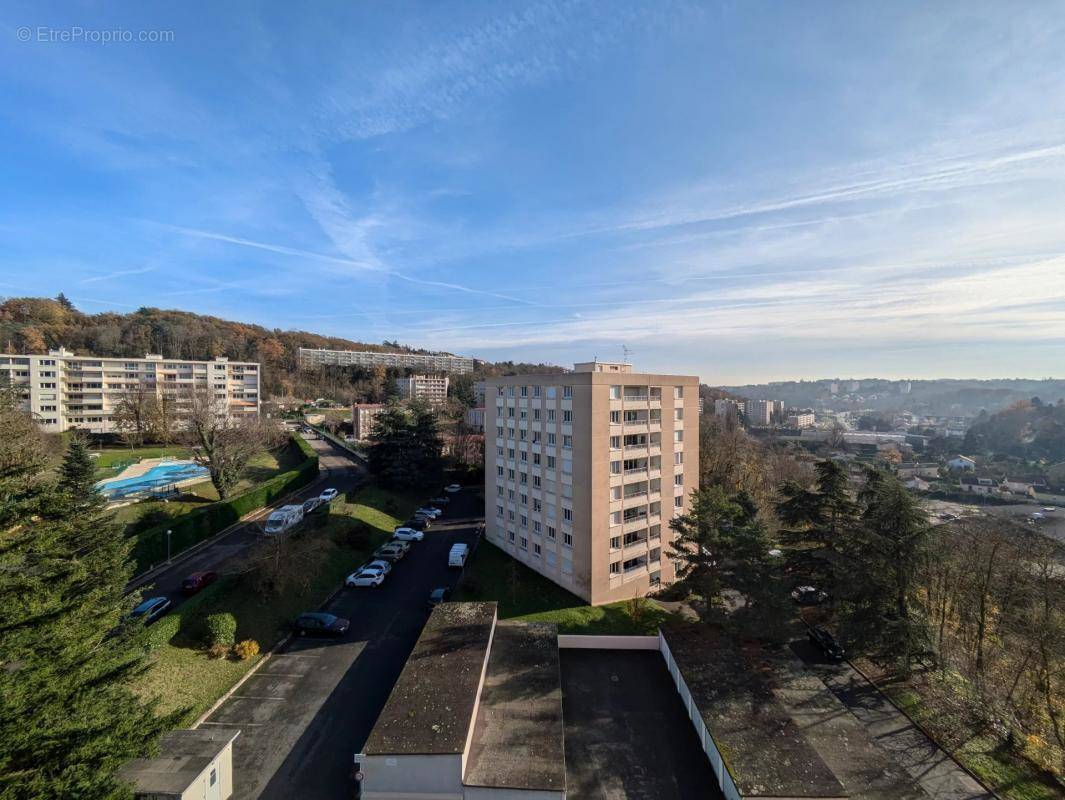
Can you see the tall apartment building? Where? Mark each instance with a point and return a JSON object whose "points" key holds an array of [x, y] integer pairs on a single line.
{"points": [[585, 470], [65, 391], [363, 418], [763, 412], [430, 362], [430, 388], [725, 407]]}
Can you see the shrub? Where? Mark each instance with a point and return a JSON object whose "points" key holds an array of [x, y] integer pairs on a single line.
{"points": [[218, 650], [357, 537], [249, 648], [220, 629]]}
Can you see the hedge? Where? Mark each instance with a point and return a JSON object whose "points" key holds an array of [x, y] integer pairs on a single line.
{"points": [[194, 527]]}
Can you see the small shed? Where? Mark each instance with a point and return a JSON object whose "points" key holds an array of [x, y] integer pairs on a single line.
{"points": [[191, 765]]}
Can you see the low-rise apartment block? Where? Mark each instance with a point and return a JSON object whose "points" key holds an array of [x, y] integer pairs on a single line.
{"points": [[585, 470], [363, 418], [431, 389], [431, 362], [801, 419], [63, 391]]}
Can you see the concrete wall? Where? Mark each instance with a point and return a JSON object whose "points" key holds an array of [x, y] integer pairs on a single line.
{"points": [[414, 777], [608, 642], [717, 763]]}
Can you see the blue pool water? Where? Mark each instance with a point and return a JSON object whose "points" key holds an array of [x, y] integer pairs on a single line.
{"points": [[158, 476]]}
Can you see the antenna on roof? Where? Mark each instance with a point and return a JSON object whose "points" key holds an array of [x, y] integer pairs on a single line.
{"points": [[625, 353]]}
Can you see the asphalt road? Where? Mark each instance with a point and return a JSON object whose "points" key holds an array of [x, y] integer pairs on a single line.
{"points": [[931, 768], [306, 712], [337, 469]]}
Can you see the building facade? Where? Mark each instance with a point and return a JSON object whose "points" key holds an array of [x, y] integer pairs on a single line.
{"points": [[763, 412], [363, 418], [311, 357], [585, 470], [475, 419], [725, 407], [63, 391], [801, 419], [430, 388]]}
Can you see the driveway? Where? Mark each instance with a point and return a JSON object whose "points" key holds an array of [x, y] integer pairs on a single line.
{"points": [[306, 712], [338, 469], [929, 766]]}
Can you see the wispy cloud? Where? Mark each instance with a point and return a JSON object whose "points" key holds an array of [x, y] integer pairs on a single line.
{"points": [[120, 274]]}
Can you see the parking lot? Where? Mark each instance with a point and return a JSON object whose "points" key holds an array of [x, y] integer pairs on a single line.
{"points": [[309, 708], [628, 736]]}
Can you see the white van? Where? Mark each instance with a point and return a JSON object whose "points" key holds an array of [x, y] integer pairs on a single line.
{"points": [[458, 554], [283, 518]]}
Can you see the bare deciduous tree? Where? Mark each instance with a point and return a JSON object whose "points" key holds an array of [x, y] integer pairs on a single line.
{"points": [[132, 416]]}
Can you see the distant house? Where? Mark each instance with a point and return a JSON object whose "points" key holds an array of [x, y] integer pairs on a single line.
{"points": [[976, 485], [917, 469], [961, 463], [1019, 486]]}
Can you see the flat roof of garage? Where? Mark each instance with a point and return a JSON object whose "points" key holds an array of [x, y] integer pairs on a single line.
{"points": [[517, 739], [767, 753], [431, 706]]}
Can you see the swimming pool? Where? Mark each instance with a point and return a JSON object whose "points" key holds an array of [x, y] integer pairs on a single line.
{"points": [[158, 476]]}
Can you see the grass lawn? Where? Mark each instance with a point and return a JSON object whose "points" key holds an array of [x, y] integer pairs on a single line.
{"points": [[109, 457], [181, 674], [526, 595], [927, 701]]}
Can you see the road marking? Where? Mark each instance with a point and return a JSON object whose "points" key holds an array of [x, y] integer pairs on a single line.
{"points": [[236, 724], [279, 674], [298, 655], [254, 697]]}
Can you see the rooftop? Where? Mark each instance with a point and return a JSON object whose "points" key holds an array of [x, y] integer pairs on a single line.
{"points": [[183, 756], [767, 753], [431, 706], [517, 739]]}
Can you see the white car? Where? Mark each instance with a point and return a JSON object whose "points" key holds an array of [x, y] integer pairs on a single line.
{"points": [[407, 535], [365, 578], [328, 496], [454, 487], [379, 564], [428, 511]]}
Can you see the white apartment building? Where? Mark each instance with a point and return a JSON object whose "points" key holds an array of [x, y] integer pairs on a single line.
{"points": [[364, 417], [430, 362], [763, 412], [62, 390], [725, 407], [585, 470], [430, 388], [801, 419]]}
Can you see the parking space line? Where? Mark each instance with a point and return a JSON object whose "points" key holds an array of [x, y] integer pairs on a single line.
{"points": [[296, 655], [279, 674], [254, 697], [236, 724]]}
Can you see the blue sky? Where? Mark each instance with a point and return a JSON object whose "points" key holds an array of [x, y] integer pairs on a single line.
{"points": [[745, 191]]}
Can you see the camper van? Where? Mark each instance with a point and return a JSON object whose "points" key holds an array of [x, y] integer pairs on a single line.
{"points": [[284, 518], [457, 556]]}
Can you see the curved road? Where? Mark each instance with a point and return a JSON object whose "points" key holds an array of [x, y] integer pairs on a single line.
{"points": [[338, 469]]}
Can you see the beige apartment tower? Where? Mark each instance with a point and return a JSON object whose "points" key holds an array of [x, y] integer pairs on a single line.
{"points": [[586, 471]]}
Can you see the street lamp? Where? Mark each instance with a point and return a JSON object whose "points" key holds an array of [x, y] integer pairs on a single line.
{"points": [[168, 546]]}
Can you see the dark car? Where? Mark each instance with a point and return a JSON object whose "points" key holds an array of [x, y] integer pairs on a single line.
{"points": [[418, 523], [439, 595], [150, 610], [826, 643], [808, 595], [318, 623], [197, 581]]}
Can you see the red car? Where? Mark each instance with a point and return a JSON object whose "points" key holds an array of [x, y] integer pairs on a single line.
{"points": [[197, 581]]}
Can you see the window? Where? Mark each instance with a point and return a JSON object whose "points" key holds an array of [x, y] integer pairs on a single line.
{"points": [[523, 477], [536, 391], [499, 511], [678, 457], [523, 414], [615, 518], [500, 391], [567, 514], [551, 439], [510, 391], [678, 479], [524, 499], [551, 392], [524, 543], [567, 416], [535, 437], [536, 549], [615, 467], [536, 459], [567, 466], [510, 453], [537, 506], [567, 392], [510, 474], [615, 442], [615, 392], [550, 415], [499, 471], [499, 491], [524, 391], [615, 567], [214, 777], [523, 455], [678, 392], [567, 440], [537, 527], [510, 514], [615, 542], [615, 417], [678, 436], [536, 481], [510, 535], [510, 412], [678, 413], [550, 532], [678, 501], [550, 462], [524, 521], [536, 415]]}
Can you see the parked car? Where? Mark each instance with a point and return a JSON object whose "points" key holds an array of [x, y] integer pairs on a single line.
{"points": [[378, 564], [440, 501], [390, 552], [458, 554], [439, 595], [418, 523], [150, 610], [429, 511], [826, 643], [328, 496], [808, 595], [311, 504], [283, 519], [407, 535], [452, 488], [197, 581], [365, 577], [319, 623]]}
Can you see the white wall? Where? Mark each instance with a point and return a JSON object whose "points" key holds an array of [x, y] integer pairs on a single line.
{"points": [[608, 642], [415, 777]]}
